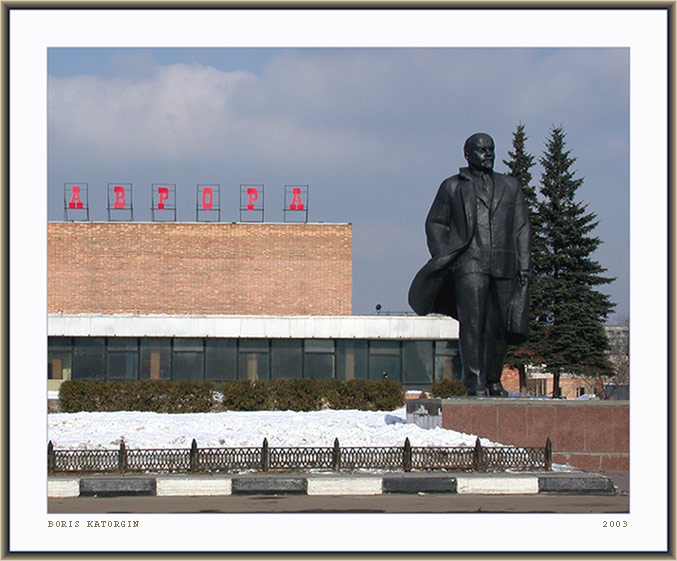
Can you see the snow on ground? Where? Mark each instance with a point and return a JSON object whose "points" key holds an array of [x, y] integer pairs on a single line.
{"points": [[246, 428]]}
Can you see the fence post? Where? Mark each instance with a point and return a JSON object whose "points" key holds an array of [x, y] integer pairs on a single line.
{"points": [[336, 456], [193, 456], [548, 454], [51, 457], [478, 460], [406, 456], [265, 458], [122, 457]]}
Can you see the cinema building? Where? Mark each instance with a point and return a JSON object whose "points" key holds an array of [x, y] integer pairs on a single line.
{"points": [[223, 301]]}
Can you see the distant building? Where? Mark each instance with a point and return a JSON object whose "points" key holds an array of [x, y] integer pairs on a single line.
{"points": [[618, 386], [540, 381]]}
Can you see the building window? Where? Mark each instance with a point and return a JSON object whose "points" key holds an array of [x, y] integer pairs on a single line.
{"points": [[156, 359], [319, 359], [351, 359], [188, 359], [221, 359], [89, 358], [417, 360], [444, 368], [253, 359], [122, 359], [59, 358], [385, 360], [286, 358], [447, 361]]}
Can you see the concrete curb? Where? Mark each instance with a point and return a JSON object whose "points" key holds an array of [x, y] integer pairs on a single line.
{"points": [[117, 486], [270, 485], [328, 484]]}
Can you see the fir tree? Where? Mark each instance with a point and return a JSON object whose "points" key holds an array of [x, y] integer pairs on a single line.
{"points": [[571, 312], [520, 164]]}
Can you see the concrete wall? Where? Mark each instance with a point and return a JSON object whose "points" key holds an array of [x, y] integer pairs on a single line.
{"points": [[264, 327], [199, 268], [592, 435]]}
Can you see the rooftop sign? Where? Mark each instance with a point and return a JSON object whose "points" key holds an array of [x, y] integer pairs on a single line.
{"points": [[164, 202]]}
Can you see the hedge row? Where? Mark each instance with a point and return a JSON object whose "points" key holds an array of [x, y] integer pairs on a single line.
{"points": [[161, 396], [307, 394], [448, 388], [164, 396]]}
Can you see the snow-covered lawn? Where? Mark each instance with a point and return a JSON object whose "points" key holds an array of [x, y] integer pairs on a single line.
{"points": [[249, 428]]}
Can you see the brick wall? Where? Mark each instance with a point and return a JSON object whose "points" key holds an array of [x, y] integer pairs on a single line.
{"points": [[593, 435], [510, 379], [200, 268]]}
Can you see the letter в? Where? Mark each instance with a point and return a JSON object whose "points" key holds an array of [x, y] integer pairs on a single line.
{"points": [[119, 197]]}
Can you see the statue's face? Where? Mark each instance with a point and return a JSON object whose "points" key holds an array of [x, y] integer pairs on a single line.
{"points": [[480, 153]]}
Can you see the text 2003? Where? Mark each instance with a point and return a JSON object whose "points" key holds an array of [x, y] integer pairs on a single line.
{"points": [[614, 524]]}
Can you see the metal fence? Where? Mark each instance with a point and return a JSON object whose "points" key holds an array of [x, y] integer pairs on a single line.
{"points": [[329, 458]]}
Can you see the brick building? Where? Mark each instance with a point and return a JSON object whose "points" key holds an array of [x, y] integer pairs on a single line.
{"points": [[165, 300], [199, 268]]}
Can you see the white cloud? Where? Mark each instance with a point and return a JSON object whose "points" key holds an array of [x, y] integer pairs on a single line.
{"points": [[186, 112], [323, 108], [174, 111]]}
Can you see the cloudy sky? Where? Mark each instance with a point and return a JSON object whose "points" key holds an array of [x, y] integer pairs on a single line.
{"points": [[373, 132]]}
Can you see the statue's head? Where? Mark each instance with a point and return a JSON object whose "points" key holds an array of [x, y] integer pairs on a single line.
{"points": [[479, 151]]}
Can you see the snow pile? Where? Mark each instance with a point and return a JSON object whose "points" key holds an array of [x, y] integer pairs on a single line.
{"points": [[92, 431]]}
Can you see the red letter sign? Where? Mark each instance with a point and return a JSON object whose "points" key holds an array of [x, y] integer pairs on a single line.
{"points": [[207, 198], [163, 195], [253, 194], [119, 197], [75, 201], [296, 202]]}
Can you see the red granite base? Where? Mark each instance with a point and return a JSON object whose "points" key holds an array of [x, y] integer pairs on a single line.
{"points": [[590, 435]]}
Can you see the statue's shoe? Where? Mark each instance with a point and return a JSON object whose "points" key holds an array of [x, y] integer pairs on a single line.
{"points": [[477, 391], [497, 390]]}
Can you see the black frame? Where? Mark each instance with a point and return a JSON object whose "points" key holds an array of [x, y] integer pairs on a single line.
{"points": [[129, 206], [168, 209], [289, 197], [216, 202], [244, 201], [84, 197]]}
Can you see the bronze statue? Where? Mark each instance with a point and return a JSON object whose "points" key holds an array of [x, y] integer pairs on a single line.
{"points": [[479, 236]]}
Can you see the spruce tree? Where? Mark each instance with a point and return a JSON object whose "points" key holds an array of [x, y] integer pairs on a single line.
{"points": [[520, 164], [572, 312]]}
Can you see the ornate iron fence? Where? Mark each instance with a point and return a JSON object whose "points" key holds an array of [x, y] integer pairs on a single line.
{"points": [[336, 458]]}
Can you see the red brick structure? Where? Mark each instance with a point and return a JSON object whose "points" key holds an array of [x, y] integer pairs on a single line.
{"points": [[510, 378], [592, 435], [199, 268]]}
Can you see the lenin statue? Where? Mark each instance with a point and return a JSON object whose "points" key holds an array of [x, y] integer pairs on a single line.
{"points": [[479, 236]]}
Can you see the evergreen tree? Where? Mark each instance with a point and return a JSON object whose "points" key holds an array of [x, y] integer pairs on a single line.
{"points": [[520, 164], [571, 312]]}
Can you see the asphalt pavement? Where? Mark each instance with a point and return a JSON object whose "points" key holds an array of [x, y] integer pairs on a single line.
{"points": [[364, 504]]}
